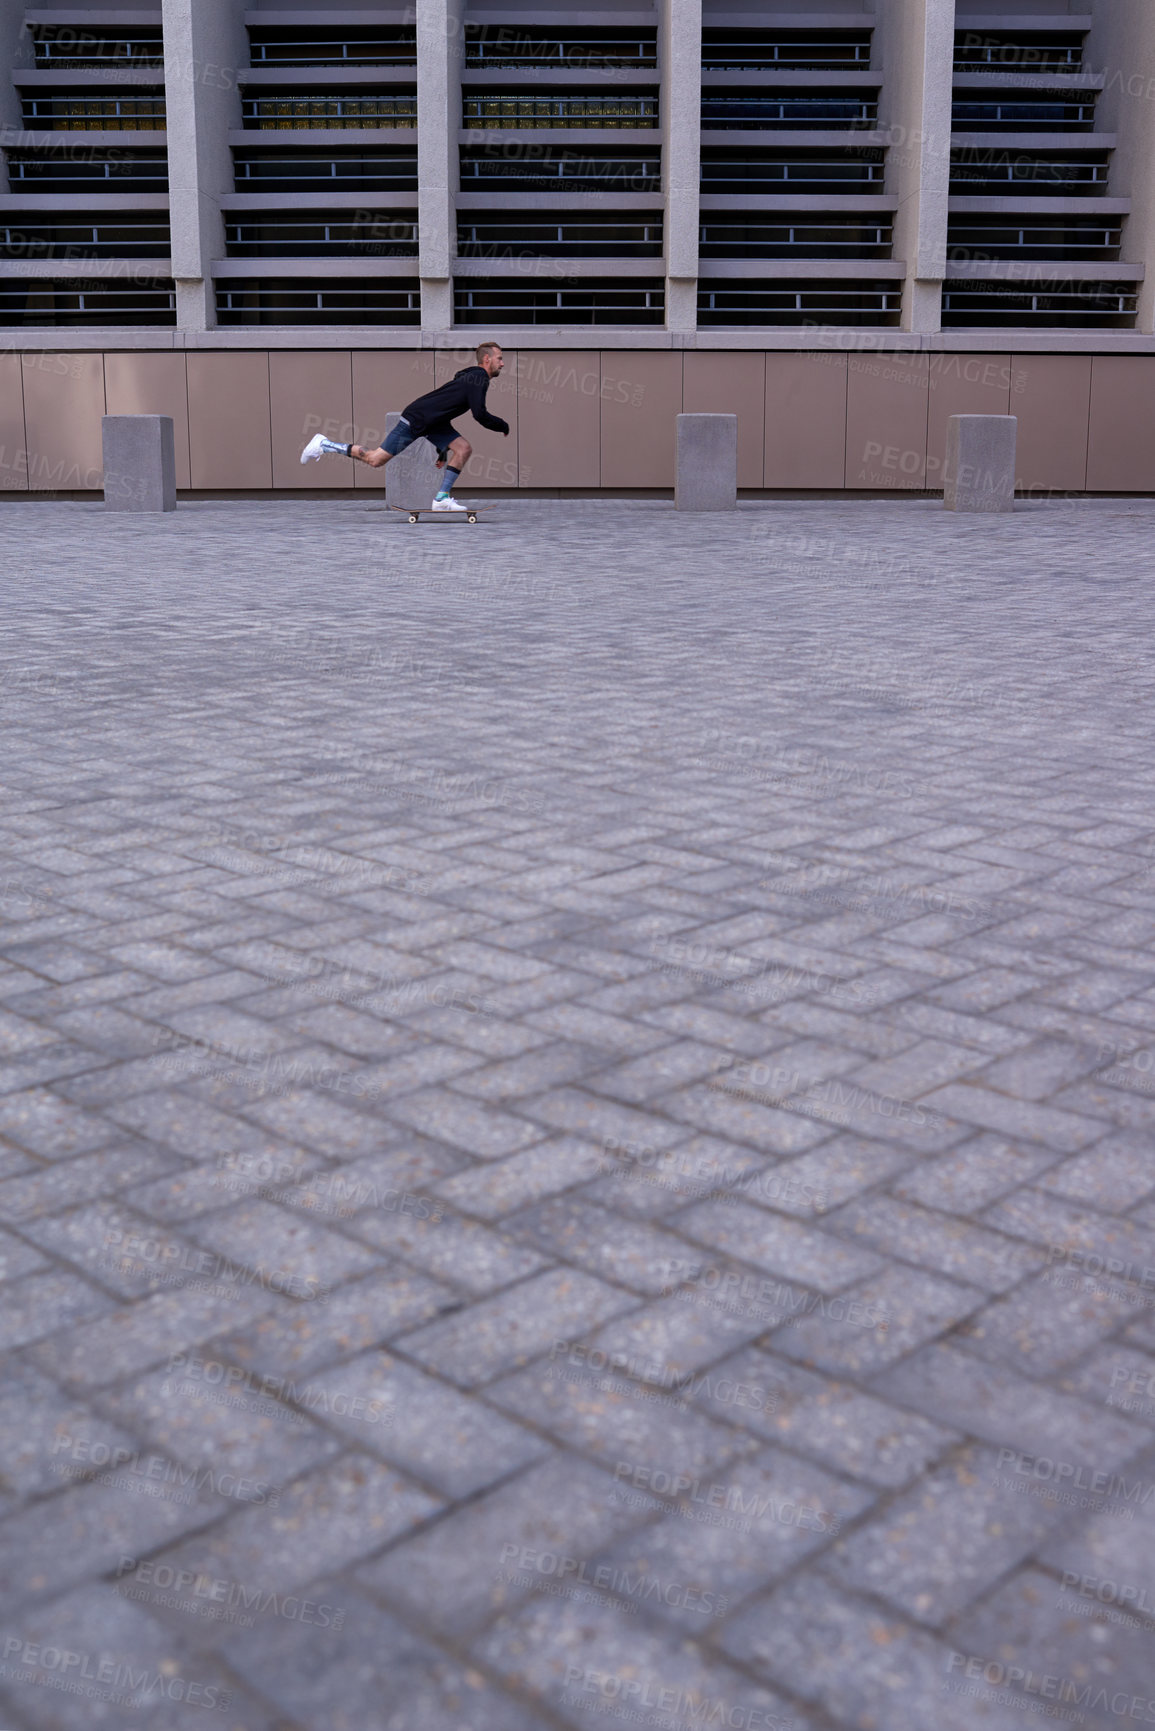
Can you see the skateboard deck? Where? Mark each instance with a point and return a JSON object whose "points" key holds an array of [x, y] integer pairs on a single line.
{"points": [[413, 512]]}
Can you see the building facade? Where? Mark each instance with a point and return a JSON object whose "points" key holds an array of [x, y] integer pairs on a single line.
{"points": [[843, 221]]}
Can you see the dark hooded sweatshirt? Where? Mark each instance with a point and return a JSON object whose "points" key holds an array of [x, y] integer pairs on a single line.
{"points": [[466, 390]]}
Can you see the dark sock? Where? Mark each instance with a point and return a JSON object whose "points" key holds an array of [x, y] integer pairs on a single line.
{"points": [[446, 486]]}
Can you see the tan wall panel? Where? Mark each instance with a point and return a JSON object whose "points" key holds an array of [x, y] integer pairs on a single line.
{"points": [[559, 417], [1121, 442], [383, 384], [228, 409], [13, 455], [641, 398], [1051, 395], [734, 384], [494, 459], [144, 384], [886, 421], [962, 385], [62, 414], [805, 420], [310, 392]]}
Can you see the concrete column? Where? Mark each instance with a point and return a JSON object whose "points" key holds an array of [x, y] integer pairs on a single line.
{"points": [[440, 57], [139, 463], [915, 40], [413, 477], [980, 463], [15, 53], [1121, 43], [706, 478], [680, 62], [205, 50]]}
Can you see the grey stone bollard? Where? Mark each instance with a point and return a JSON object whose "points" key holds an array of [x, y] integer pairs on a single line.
{"points": [[413, 477], [707, 472], [139, 463], [980, 463]]}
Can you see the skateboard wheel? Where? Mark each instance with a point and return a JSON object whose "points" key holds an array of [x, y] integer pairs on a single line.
{"points": [[413, 516], [472, 518]]}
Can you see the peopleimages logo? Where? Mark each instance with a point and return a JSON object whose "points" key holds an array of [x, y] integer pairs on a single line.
{"points": [[1077, 1478], [726, 1499], [83, 1673], [1050, 1688], [684, 1704], [156, 1469]]}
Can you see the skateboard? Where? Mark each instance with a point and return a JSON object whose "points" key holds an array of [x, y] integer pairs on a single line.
{"points": [[413, 512]]}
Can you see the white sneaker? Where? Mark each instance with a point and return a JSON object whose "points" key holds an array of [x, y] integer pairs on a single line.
{"points": [[314, 450], [449, 504]]}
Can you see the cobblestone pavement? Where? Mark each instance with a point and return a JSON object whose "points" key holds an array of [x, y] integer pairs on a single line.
{"points": [[576, 1105]]}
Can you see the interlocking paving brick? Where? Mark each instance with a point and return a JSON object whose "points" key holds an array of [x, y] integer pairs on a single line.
{"points": [[857, 1662], [1099, 1666], [70, 1182], [504, 1332], [49, 1126], [556, 1650], [545, 1159], [82, 1532], [467, 1124], [328, 1519], [732, 1535], [1115, 1174], [977, 1172], [991, 1402], [435, 1433], [946, 1540], [467, 1254], [936, 1241], [145, 1333], [562, 1506], [780, 1246], [149, 1669], [40, 1304], [578, 1231], [318, 1677], [17, 1258], [847, 1430], [308, 1258], [897, 1311], [501, 1186]]}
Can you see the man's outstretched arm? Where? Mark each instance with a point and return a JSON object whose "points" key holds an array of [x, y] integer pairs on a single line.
{"points": [[479, 411]]}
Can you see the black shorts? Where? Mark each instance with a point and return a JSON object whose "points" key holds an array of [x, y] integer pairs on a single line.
{"points": [[440, 434]]}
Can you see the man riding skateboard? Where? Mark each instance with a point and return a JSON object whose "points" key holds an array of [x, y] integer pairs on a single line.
{"points": [[430, 417]]}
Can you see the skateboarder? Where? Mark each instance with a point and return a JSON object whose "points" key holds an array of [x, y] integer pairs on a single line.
{"points": [[430, 417]]}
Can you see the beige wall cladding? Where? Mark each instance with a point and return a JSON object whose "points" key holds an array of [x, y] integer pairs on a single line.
{"points": [[1121, 440], [733, 384], [805, 420], [962, 385], [309, 393], [494, 459], [143, 384], [641, 396], [63, 406], [559, 418], [228, 420], [383, 384], [886, 421], [1051, 395], [13, 454]]}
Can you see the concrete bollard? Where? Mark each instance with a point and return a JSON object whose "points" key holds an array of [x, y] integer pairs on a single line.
{"points": [[413, 477], [707, 472], [139, 462], [980, 463]]}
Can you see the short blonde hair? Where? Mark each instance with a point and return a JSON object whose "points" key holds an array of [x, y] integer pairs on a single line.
{"points": [[484, 349]]}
